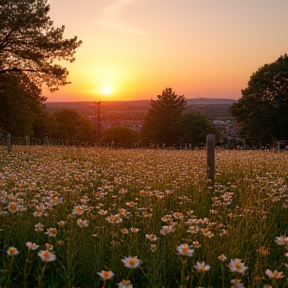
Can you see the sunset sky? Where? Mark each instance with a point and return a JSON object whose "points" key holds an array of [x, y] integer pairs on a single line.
{"points": [[133, 49]]}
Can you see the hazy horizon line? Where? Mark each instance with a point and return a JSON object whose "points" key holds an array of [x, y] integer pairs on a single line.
{"points": [[77, 101]]}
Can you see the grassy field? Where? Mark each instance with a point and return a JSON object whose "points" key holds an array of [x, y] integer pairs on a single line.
{"points": [[91, 217]]}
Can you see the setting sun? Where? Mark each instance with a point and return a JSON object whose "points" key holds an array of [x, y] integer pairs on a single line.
{"points": [[107, 90]]}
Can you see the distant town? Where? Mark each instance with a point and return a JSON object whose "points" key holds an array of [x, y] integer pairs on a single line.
{"points": [[131, 114]]}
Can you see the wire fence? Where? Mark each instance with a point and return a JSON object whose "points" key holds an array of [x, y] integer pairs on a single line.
{"points": [[8, 140]]}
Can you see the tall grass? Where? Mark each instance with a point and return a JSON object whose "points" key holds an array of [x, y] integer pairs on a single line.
{"points": [[104, 205]]}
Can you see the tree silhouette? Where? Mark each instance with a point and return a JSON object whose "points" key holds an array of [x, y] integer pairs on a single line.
{"points": [[161, 122], [29, 43], [21, 104], [262, 112]]}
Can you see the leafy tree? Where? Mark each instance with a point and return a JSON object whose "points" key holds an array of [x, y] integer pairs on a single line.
{"points": [[256, 118], [21, 104], [43, 125], [262, 112], [121, 135], [69, 125], [161, 122], [29, 43], [194, 128]]}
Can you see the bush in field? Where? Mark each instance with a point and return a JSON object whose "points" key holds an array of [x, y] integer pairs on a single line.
{"points": [[121, 135], [144, 216], [194, 128], [69, 125]]}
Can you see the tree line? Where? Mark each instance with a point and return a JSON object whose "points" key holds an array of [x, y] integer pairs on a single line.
{"points": [[31, 49], [166, 123]]}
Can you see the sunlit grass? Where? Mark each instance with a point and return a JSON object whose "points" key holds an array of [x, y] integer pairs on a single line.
{"points": [[93, 208]]}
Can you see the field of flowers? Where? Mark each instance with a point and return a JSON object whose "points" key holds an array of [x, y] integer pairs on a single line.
{"points": [[92, 217]]}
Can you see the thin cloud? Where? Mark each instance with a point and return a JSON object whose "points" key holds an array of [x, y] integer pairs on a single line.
{"points": [[109, 17]]}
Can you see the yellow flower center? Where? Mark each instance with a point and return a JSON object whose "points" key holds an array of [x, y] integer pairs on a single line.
{"points": [[12, 206], [132, 262], [52, 232], [12, 251], [78, 210], [185, 249], [106, 274], [46, 255], [238, 266], [116, 219]]}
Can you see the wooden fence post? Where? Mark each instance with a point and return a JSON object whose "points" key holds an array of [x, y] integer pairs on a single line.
{"points": [[277, 146], [27, 140], [9, 143], [210, 149]]}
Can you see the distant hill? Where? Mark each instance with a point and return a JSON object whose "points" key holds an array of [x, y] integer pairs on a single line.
{"points": [[210, 101]]}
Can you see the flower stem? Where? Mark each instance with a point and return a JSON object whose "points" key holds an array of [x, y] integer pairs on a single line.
{"points": [[223, 275], [183, 278], [104, 284], [9, 272], [42, 275], [25, 276]]}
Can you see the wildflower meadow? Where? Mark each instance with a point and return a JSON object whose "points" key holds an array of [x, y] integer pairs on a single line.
{"points": [[97, 217]]}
